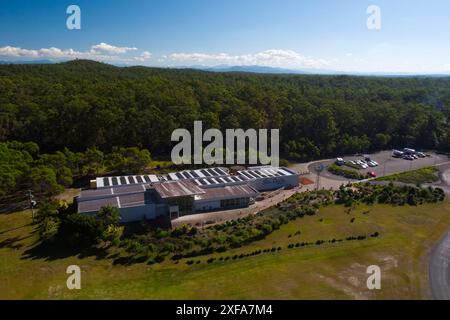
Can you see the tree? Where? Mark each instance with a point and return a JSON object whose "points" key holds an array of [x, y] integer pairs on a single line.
{"points": [[109, 215], [43, 180]]}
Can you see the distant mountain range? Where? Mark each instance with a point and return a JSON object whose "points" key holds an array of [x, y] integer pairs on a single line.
{"points": [[27, 62], [259, 69]]}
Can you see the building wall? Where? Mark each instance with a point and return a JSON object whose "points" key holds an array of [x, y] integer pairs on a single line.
{"points": [[138, 213], [273, 183], [202, 206]]}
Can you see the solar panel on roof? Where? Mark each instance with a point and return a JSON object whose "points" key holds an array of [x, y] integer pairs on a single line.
{"points": [[189, 174], [194, 174], [139, 179], [131, 179], [264, 173], [205, 173], [250, 174], [106, 182], [257, 174], [245, 174], [147, 178], [201, 175], [114, 181], [222, 171], [123, 180], [179, 175], [284, 172], [216, 172]]}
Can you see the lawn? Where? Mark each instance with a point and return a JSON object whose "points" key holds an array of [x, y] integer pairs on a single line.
{"points": [[423, 175], [330, 270]]}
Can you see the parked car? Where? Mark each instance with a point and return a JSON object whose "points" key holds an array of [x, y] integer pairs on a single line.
{"points": [[340, 161], [397, 154], [409, 151], [372, 174], [421, 154], [371, 164], [408, 157]]}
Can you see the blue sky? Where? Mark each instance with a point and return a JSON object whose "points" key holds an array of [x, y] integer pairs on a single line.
{"points": [[297, 34]]}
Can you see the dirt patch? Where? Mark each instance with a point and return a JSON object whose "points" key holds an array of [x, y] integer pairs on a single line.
{"points": [[305, 181]]}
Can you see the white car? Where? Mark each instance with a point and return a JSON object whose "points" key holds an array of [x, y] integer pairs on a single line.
{"points": [[352, 162], [421, 154]]}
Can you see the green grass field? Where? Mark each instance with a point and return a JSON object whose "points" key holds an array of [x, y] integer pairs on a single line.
{"points": [[328, 271], [423, 175]]}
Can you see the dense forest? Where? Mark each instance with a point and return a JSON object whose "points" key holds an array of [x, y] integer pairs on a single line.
{"points": [[76, 117], [82, 104]]}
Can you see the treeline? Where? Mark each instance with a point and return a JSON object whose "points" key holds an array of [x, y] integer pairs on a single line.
{"points": [[84, 104], [23, 167]]}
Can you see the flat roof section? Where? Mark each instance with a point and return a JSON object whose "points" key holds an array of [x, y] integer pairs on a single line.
{"points": [[109, 192], [96, 204], [228, 192], [174, 189]]}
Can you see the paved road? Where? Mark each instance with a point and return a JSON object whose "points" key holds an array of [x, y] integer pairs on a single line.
{"points": [[439, 269], [439, 265]]}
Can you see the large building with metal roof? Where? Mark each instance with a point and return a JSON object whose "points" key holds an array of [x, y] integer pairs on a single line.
{"points": [[186, 192]]}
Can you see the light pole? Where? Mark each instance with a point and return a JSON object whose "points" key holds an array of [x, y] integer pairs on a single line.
{"points": [[32, 202], [319, 170]]}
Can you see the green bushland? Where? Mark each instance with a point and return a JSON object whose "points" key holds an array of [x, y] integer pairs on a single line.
{"points": [[23, 167], [350, 174], [423, 175], [84, 104]]}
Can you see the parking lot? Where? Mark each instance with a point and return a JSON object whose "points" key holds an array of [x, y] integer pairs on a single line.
{"points": [[387, 164]]}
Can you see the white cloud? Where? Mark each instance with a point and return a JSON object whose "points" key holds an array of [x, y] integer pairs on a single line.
{"points": [[143, 56], [16, 52], [100, 52], [268, 58], [109, 49]]}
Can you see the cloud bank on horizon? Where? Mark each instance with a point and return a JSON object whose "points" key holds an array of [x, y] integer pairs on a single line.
{"points": [[273, 58], [105, 52]]}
